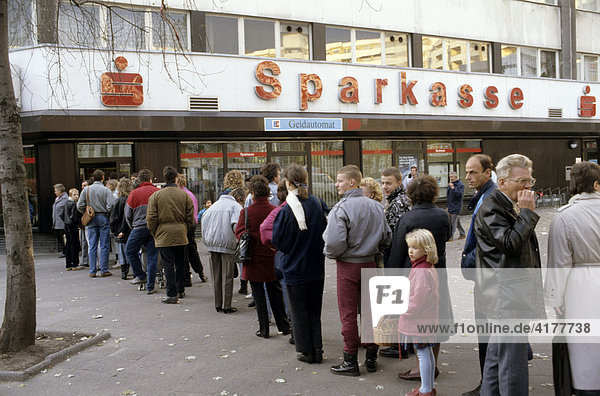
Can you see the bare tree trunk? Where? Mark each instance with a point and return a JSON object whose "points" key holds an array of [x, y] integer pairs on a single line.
{"points": [[18, 327]]}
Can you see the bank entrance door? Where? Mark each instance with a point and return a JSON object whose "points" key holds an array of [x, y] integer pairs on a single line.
{"points": [[114, 160]]}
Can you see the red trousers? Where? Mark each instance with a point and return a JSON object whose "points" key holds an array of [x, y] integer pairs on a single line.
{"points": [[348, 291]]}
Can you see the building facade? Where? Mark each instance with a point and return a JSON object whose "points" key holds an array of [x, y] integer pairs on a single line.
{"points": [[235, 84]]}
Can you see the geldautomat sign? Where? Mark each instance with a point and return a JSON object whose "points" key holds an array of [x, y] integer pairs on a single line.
{"points": [[303, 124]]}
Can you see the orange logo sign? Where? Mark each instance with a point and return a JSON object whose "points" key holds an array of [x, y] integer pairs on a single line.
{"points": [[121, 89]]}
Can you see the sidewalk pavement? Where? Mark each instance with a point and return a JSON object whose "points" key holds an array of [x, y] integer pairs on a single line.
{"points": [[189, 348]]}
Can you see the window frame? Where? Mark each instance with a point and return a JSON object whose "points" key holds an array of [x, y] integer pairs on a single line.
{"points": [[538, 61], [581, 66]]}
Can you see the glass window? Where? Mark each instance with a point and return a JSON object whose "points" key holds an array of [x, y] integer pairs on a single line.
{"points": [[432, 53], [396, 49], [376, 156], [294, 41], [368, 47], [289, 146], [126, 28], [440, 162], [31, 183], [590, 5], [480, 60], [78, 26], [548, 64], [247, 157], [202, 165], [169, 34], [259, 37], [222, 35], [327, 158], [590, 68], [509, 60], [464, 150], [20, 23], [338, 46], [103, 150], [528, 62], [457, 54]]}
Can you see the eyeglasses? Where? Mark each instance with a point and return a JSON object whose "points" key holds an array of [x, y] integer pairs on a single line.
{"points": [[523, 182]]}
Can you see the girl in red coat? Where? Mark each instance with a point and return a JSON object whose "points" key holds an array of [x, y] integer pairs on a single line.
{"points": [[422, 306]]}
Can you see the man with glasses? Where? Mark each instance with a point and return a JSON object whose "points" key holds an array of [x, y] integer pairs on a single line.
{"points": [[506, 243]]}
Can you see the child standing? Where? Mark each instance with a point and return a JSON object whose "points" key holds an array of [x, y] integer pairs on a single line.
{"points": [[422, 306]]}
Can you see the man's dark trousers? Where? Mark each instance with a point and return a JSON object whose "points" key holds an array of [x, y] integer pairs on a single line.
{"points": [[173, 261], [192, 254]]}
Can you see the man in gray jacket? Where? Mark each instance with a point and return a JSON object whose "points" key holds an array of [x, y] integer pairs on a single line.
{"points": [[98, 229], [218, 225], [356, 231]]}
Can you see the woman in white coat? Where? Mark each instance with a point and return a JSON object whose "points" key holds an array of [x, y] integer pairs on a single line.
{"points": [[573, 277]]}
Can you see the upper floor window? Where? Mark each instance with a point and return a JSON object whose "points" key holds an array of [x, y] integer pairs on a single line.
{"points": [[259, 37], [366, 46], [551, 2], [587, 67], [588, 5], [529, 62], [222, 35], [94, 25], [20, 23], [454, 54], [294, 41]]}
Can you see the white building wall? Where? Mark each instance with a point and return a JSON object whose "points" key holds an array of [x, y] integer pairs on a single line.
{"points": [[168, 83]]}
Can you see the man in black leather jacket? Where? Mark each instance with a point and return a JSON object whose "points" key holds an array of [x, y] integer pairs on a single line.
{"points": [[507, 246]]}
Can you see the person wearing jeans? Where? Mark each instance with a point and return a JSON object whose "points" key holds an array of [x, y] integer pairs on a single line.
{"points": [[101, 200], [135, 215]]}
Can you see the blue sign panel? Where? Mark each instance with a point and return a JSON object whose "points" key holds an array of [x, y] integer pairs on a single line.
{"points": [[303, 124]]}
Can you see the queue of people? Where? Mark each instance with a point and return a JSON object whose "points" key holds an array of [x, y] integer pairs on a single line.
{"points": [[291, 232]]}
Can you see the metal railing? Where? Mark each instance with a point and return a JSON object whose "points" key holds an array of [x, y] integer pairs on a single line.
{"points": [[553, 196]]}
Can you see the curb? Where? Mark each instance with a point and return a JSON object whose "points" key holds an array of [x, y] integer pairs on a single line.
{"points": [[55, 357]]}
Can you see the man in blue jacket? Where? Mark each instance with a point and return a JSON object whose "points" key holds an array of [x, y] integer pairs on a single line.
{"points": [[479, 176], [454, 197]]}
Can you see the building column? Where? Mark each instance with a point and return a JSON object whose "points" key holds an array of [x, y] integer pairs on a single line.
{"points": [[319, 42], [496, 51], [568, 40], [416, 50]]}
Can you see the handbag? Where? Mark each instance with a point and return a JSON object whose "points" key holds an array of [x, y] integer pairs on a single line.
{"points": [[244, 250], [89, 213]]}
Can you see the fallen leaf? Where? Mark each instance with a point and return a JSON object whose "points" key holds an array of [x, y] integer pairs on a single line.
{"points": [[186, 339], [280, 380], [315, 372], [170, 344], [115, 320], [224, 356], [22, 385], [547, 384], [58, 375], [59, 338], [44, 371], [207, 335], [298, 368], [120, 369], [224, 393], [96, 316], [190, 358], [379, 387], [445, 351], [445, 364], [217, 378], [128, 392]]}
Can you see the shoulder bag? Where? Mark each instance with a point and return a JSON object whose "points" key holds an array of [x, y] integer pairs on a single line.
{"points": [[89, 213], [244, 250]]}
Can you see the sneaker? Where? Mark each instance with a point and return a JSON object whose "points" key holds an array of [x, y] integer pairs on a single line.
{"points": [[248, 296], [69, 269], [170, 300], [150, 291], [137, 280], [105, 274], [92, 275], [76, 268]]}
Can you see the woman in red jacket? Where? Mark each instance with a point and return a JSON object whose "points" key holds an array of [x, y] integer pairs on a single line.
{"points": [[260, 270]]}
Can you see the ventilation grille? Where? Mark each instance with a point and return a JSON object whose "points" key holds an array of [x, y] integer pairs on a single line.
{"points": [[204, 104], [555, 113]]}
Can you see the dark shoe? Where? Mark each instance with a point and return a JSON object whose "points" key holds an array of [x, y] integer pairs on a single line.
{"points": [[123, 276], [408, 376], [462, 237], [305, 357], [105, 274], [474, 392], [150, 291], [188, 282], [371, 359], [391, 352], [136, 281], [287, 331], [348, 367], [252, 304], [263, 335], [170, 300], [291, 340], [230, 310], [436, 373], [318, 356], [124, 271], [203, 278], [243, 290], [92, 275], [219, 309], [85, 265], [181, 295]]}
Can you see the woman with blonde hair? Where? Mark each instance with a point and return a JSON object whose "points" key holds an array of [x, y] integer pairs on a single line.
{"points": [[372, 189]]}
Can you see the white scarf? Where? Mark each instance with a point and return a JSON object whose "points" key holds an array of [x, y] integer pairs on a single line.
{"points": [[297, 209]]}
